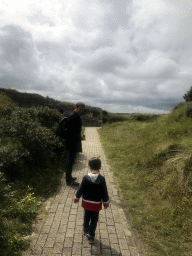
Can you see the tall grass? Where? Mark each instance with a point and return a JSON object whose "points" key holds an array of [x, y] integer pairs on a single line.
{"points": [[152, 162], [112, 117]]}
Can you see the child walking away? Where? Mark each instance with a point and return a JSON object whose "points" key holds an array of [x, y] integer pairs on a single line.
{"points": [[94, 192]]}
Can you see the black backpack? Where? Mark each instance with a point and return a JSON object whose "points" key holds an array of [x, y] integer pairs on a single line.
{"points": [[62, 128]]}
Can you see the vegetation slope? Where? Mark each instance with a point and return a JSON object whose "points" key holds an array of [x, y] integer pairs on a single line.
{"points": [[153, 163], [31, 161]]}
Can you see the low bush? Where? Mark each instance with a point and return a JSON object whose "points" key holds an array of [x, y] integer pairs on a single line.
{"points": [[32, 161], [47, 117], [29, 141], [6, 105], [144, 117], [17, 209], [111, 118]]}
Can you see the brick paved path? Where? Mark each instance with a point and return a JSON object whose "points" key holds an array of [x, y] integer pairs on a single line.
{"points": [[60, 233]]}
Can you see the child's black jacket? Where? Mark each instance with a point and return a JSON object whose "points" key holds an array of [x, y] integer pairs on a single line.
{"points": [[93, 193]]}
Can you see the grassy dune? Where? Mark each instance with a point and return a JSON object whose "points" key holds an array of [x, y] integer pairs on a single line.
{"points": [[153, 162]]}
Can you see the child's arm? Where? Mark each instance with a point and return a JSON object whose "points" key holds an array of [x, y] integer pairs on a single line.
{"points": [[105, 196], [76, 200], [78, 193]]}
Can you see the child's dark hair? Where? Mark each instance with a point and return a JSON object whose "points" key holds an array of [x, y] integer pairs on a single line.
{"points": [[95, 163]]}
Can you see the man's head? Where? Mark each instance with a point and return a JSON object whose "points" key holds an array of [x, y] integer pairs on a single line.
{"points": [[80, 108], [95, 164]]}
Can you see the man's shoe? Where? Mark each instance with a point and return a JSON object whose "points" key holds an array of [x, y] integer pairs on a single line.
{"points": [[73, 178], [86, 232], [90, 239], [72, 183]]}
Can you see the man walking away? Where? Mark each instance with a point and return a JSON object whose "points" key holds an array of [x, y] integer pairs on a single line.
{"points": [[73, 141]]}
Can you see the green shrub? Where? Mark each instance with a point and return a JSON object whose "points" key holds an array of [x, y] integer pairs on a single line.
{"points": [[17, 210], [45, 116], [189, 111], [23, 207], [31, 154], [29, 141], [13, 156], [111, 118], [188, 96], [6, 105], [144, 117]]}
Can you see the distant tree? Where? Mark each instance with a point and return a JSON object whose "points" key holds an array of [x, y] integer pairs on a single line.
{"points": [[188, 95]]}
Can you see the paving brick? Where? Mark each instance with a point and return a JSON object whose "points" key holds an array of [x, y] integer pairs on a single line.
{"points": [[58, 247], [103, 226], [113, 239], [106, 252], [62, 228], [120, 234], [125, 253], [78, 229], [96, 249], [86, 251], [64, 221], [60, 237], [104, 234], [68, 242], [67, 251], [77, 249], [111, 229], [115, 249], [78, 238], [37, 249], [72, 218], [60, 207], [71, 224], [47, 252], [50, 242], [41, 239], [53, 232], [123, 244], [110, 222], [66, 209], [45, 229], [70, 232], [105, 243], [55, 225]]}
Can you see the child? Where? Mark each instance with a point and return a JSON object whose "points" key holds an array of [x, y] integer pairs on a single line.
{"points": [[93, 190]]}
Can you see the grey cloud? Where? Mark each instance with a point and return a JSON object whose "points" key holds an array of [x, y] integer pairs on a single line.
{"points": [[145, 102], [105, 60], [118, 16], [18, 56], [104, 53], [16, 45], [20, 63]]}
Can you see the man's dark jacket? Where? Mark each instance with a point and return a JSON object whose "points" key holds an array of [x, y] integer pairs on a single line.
{"points": [[74, 126]]}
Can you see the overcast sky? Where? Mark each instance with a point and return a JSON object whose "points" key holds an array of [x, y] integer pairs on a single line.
{"points": [[119, 55]]}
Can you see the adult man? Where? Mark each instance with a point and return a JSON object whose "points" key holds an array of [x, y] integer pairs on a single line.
{"points": [[73, 141]]}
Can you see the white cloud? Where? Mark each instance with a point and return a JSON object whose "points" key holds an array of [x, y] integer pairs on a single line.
{"points": [[118, 54]]}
